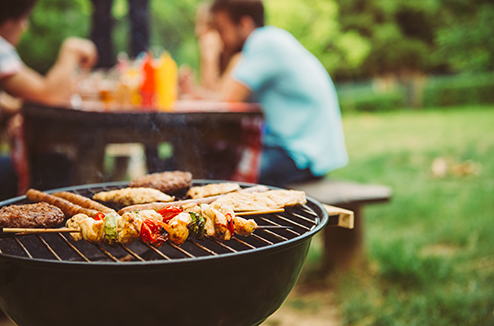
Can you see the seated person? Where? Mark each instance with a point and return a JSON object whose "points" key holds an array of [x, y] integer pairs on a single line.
{"points": [[24, 83], [304, 134], [216, 64]]}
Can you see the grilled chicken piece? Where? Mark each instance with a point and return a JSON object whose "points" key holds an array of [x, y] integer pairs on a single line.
{"points": [[149, 213], [92, 230], [209, 217], [178, 230], [216, 223], [191, 208], [212, 189], [244, 227], [129, 224], [133, 196]]}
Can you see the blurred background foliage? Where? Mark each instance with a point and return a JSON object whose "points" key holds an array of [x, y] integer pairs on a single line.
{"points": [[381, 49]]}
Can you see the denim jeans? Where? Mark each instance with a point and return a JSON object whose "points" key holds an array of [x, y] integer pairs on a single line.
{"points": [[8, 179], [102, 26], [278, 168]]}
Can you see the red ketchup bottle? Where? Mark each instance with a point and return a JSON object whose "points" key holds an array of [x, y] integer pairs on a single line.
{"points": [[148, 86]]}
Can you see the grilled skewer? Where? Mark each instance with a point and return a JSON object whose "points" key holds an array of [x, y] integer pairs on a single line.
{"points": [[179, 228], [26, 231]]}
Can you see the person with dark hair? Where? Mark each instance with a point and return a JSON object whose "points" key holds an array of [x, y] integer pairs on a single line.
{"points": [[23, 82], [102, 27], [304, 134]]}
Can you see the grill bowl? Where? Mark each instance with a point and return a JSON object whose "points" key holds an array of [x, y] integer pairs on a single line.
{"points": [[233, 288]]}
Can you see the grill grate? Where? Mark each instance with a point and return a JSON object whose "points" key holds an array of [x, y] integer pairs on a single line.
{"points": [[61, 247]]}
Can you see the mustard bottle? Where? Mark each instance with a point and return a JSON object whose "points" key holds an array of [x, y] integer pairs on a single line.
{"points": [[166, 82]]}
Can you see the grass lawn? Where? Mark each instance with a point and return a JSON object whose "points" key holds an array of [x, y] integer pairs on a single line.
{"points": [[431, 249]]}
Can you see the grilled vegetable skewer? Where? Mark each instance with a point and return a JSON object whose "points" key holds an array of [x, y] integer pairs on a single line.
{"points": [[174, 223]]}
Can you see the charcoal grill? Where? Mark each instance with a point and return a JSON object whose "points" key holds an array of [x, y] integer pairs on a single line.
{"points": [[49, 279]]}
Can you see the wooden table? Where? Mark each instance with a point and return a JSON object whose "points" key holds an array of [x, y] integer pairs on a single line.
{"points": [[87, 132]]}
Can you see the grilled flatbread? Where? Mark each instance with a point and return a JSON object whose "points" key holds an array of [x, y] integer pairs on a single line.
{"points": [[212, 189], [133, 196], [272, 199]]}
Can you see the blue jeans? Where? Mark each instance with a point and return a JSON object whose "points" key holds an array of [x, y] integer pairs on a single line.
{"points": [[8, 179], [278, 168]]}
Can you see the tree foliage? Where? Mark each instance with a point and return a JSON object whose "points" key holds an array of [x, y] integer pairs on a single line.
{"points": [[315, 24], [465, 40], [50, 23], [430, 36], [352, 38]]}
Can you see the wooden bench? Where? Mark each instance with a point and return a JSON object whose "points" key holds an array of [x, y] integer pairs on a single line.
{"points": [[344, 248]]}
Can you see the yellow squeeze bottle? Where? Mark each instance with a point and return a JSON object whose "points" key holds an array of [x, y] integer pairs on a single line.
{"points": [[166, 82]]}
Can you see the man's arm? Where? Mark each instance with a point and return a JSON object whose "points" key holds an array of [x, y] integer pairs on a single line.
{"points": [[229, 90], [55, 87], [236, 92]]}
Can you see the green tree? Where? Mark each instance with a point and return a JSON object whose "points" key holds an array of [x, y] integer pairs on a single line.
{"points": [[54, 20], [50, 23], [315, 23], [401, 34], [465, 39]]}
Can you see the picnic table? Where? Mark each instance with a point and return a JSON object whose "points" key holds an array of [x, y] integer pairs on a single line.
{"points": [[87, 132]]}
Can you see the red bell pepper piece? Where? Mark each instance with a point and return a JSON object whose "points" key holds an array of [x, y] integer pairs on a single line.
{"points": [[169, 212], [231, 224], [99, 217]]}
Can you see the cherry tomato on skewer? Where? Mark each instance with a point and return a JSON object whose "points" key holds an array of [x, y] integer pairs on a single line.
{"points": [[153, 232]]}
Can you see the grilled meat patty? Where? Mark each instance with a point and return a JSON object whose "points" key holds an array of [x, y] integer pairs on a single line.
{"points": [[31, 215], [167, 182]]}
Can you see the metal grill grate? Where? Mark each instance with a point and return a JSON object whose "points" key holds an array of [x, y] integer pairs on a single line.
{"points": [[60, 247]]}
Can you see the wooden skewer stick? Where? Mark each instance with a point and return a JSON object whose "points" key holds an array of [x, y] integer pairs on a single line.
{"points": [[268, 211], [36, 231], [273, 227]]}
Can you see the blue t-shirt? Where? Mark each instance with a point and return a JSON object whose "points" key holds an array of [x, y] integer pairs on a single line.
{"points": [[297, 97]]}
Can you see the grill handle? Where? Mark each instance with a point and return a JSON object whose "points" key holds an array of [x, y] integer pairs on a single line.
{"points": [[344, 217]]}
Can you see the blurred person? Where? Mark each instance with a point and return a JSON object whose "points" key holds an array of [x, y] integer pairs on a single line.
{"points": [[24, 83], [21, 81], [9, 107], [216, 64], [304, 134], [220, 158], [102, 27]]}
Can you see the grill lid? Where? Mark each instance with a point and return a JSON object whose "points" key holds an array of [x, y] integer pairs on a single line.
{"points": [[300, 222]]}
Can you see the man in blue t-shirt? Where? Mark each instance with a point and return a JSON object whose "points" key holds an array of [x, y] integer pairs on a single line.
{"points": [[304, 134]]}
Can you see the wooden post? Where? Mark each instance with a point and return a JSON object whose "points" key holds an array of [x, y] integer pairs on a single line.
{"points": [[344, 248]]}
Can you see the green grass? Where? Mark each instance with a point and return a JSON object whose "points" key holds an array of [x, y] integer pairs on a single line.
{"points": [[431, 249]]}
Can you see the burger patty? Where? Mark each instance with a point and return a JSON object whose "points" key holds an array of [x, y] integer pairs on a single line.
{"points": [[167, 182], [31, 215]]}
